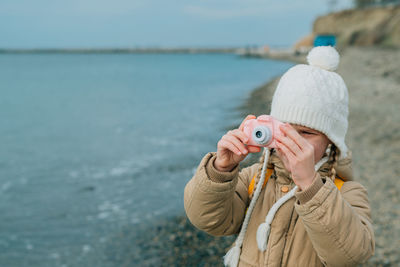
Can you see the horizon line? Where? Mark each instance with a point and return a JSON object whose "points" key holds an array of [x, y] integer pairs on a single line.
{"points": [[149, 49]]}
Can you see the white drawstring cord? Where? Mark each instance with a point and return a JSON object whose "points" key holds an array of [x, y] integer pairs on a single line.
{"points": [[265, 227], [231, 258]]}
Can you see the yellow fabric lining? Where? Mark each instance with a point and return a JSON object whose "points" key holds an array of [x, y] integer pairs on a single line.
{"points": [[338, 181], [267, 175]]}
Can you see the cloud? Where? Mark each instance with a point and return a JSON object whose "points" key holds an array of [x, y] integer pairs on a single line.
{"points": [[221, 13], [71, 7], [249, 8]]}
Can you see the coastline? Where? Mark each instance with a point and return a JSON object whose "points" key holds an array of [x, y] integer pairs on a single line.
{"points": [[137, 50], [372, 76]]}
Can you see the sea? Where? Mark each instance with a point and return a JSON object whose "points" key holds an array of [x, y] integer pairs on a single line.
{"points": [[94, 143]]}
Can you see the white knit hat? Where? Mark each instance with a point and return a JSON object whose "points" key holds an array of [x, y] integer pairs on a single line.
{"points": [[315, 96]]}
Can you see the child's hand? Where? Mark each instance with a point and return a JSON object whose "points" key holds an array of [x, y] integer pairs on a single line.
{"points": [[297, 155], [231, 148]]}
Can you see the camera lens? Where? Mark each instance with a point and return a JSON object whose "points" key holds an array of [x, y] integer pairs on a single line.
{"points": [[262, 135]]}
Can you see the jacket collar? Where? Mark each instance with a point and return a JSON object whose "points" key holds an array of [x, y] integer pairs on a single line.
{"points": [[343, 168]]}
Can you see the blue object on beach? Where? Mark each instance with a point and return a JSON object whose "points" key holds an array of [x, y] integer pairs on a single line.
{"points": [[325, 40]]}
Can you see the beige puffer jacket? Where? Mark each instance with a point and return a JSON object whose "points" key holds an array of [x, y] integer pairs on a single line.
{"points": [[319, 226]]}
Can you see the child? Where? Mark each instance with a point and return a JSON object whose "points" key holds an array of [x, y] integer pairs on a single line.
{"points": [[298, 206]]}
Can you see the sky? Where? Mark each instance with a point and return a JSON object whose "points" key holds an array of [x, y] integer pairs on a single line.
{"points": [[157, 23]]}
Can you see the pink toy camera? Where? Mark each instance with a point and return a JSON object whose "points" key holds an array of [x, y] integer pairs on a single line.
{"points": [[262, 131]]}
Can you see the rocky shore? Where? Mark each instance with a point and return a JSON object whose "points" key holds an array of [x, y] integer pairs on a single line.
{"points": [[373, 79]]}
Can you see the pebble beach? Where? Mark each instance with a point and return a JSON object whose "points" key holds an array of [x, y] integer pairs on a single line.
{"points": [[373, 78]]}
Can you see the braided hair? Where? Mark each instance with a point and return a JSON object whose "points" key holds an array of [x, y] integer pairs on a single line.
{"points": [[333, 159]]}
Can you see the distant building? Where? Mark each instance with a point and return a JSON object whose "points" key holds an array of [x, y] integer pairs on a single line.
{"points": [[325, 40]]}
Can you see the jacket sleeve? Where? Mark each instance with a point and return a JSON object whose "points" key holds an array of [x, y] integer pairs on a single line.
{"points": [[215, 201], [339, 223]]}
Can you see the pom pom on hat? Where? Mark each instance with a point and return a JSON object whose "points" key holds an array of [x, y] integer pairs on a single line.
{"points": [[325, 57]]}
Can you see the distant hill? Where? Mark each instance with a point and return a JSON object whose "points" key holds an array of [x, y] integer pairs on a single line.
{"points": [[362, 27]]}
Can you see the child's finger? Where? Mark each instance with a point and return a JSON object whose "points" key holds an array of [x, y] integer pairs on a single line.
{"points": [[239, 134], [293, 134], [284, 159], [234, 140], [254, 149], [249, 117], [227, 145], [288, 153], [290, 144]]}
